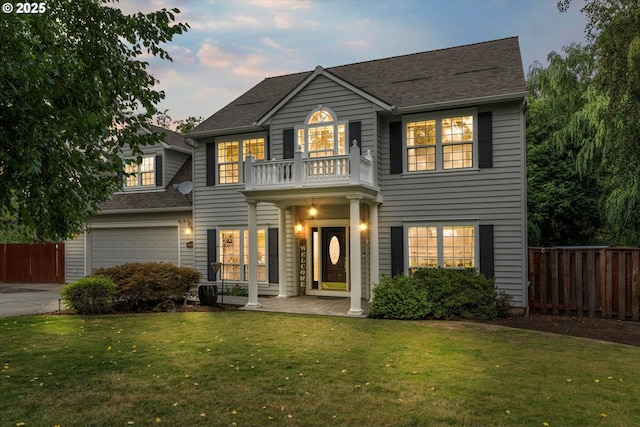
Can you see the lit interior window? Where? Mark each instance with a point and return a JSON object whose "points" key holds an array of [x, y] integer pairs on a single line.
{"points": [[457, 246]]}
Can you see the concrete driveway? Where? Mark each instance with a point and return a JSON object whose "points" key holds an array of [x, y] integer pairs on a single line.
{"points": [[18, 299]]}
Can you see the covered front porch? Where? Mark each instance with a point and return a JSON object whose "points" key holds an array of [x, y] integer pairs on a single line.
{"points": [[327, 227]]}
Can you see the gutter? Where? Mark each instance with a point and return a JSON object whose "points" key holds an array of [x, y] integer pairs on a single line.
{"points": [[145, 210]]}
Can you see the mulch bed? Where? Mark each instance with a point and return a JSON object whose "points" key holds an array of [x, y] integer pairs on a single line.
{"points": [[617, 331]]}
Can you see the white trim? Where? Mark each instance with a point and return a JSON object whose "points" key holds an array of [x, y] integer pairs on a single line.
{"points": [[320, 71], [439, 154], [132, 224], [320, 224], [226, 131], [516, 96], [147, 210], [439, 224]]}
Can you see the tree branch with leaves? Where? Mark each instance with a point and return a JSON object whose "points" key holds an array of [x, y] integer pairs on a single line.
{"points": [[75, 91]]}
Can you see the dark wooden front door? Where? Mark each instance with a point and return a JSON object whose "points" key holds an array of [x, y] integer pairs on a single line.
{"points": [[334, 251]]}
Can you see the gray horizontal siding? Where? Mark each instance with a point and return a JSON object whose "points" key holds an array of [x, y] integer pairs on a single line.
{"points": [[74, 258], [493, 196], [172, 163]]}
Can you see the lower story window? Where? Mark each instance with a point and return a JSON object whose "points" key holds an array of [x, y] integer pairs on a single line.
{"points": [[448, 246], [234, 254]]}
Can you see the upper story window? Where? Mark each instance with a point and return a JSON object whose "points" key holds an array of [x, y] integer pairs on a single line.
{"points": [[141, 175], [442, 142], [322, 135], [232, 155]]}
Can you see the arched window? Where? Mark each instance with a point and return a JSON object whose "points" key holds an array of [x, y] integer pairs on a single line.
{"points": [[322, 135]]}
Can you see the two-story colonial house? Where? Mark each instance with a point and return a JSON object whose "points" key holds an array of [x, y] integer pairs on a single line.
{"points": [[149, 220], [318, 183]]}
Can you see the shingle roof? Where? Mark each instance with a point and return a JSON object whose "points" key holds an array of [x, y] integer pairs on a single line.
{"points": [[481, 70], [170, 137], [169, 198]]}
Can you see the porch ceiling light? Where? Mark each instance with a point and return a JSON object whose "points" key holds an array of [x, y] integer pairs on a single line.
{"points": [[313, 211]]}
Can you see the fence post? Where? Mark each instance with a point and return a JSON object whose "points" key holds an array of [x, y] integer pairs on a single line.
{"points": [[543, 282], [635, 285], [555, 276], [622, 278], [566, 279]]}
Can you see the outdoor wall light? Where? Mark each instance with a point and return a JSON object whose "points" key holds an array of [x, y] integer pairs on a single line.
{"points": [[363, 226], [299, 227], [188, 227]]}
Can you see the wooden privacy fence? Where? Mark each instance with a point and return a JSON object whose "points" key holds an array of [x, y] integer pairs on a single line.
{"points": [[32, 263], [594, 282]]}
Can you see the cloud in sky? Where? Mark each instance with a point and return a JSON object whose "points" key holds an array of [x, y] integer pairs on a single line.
{"points": [[234, 44]]}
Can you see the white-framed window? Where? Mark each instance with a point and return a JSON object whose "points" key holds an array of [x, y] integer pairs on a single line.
{"points": [[231, 156], [140, 175], [442, 245], [233, 253], [442, 141], [322, 134]]}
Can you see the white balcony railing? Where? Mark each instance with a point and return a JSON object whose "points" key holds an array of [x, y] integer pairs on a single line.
{"points": [[352, 169]]}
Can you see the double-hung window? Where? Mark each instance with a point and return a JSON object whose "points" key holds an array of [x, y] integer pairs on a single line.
{"points": [[322, 135], [442, 245], [232, 155], [234, 254], [140, 175], [443, 141]]}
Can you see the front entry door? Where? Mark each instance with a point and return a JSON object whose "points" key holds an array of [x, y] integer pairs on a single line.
{"points": [[334, 259]]}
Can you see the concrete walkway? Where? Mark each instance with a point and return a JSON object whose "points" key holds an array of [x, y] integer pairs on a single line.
{"points": [[19, 299], [318, 305]]}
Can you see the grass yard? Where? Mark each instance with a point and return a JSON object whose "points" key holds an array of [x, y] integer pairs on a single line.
{"points": [[258, 369]]}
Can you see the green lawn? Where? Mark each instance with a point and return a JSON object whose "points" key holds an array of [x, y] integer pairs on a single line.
{"points": [[254, 369]]}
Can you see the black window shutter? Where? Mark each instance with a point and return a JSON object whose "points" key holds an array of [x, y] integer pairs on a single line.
{"points": [[212, 253], [355, 132], [288, 143], [267, 148], [273, 254], [485, 140], [397, 251], [486, 250], [395, 147], [211, 163], [158, 171]]}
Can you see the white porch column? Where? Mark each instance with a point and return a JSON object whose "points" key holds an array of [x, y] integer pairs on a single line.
{"points": [[253, 255], [282, 252], [355, 257], [374, 259]]}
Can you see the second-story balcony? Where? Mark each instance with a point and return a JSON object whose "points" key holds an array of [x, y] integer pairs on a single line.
{"points": [[301, 171]]}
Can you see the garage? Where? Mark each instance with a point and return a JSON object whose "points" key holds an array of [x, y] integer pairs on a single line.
{"points": [[115, 246]]}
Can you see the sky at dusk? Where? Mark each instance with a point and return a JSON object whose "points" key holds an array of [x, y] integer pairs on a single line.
{"points": [[234, 44]]}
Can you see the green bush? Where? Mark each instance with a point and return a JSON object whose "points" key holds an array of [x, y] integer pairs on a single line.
{"points": [[463, 294], [400, 297], [89, 295], [143, 286], [436, 293]]}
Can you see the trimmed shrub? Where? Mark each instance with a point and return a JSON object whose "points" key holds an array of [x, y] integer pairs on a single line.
{"points": [[463, 294], [436, 293], [400, 297], [89, 295], [141, 286]]}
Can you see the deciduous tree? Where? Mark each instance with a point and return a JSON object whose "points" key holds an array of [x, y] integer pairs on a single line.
{"points": [[74, 90]]}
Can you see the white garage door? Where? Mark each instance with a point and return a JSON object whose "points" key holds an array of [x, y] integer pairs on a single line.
{"points": [[115, 246]]}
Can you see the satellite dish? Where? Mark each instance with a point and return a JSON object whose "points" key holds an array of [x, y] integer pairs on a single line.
{"points": [[185, 187]]}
